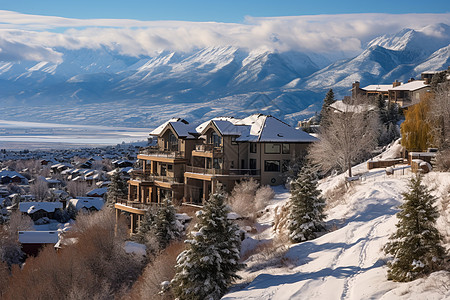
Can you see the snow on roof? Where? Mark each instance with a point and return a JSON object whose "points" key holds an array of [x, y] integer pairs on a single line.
{"points": [[38, 237], [32, 207], [99, 191], [411, 86], [257, 128], [275, 130], [183, 129], [160, 128], [377, 87], [4, 173], [344, 107], [87, 202]]}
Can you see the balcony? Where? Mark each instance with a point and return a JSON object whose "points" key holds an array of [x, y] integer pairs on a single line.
{"points": [[154, 151], [231, 172], [208, 148], [136, 204], [140, 175]]}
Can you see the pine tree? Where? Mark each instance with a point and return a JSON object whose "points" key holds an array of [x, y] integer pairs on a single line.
{"points": [[166, 228], [146, 228], [209, 265], [416, 246], [117, 189], [306, 205], [327, 101]]}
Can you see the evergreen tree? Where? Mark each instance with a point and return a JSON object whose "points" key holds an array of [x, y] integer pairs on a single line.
{"points": [[117, 189], [166, 228], [329, 98], [416, 246], [146, 228], [306, 205], [327, 101], [209, 265]]}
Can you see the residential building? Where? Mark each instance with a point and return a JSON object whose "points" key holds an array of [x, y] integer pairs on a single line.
{"points": [[191, 162]]}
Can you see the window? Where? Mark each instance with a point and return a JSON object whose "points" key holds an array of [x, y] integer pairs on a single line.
{"points": [[252, 147], [233, 140], [252, 164], [169, 167], [286, 148], [272, 166], [173, 142], [216, 140], [270, 148]]}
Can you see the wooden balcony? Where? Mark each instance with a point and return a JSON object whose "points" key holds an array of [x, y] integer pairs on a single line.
{"points": [[152, 151], [207, 150], [140, 175], [231, 172]]}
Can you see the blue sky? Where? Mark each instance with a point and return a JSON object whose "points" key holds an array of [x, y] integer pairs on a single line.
{"points": [[211, 10]]}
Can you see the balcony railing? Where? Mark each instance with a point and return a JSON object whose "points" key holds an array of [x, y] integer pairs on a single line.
{"points": [[237, 172], [162, 152], [208, 148], [147, 176], [136, 204]]}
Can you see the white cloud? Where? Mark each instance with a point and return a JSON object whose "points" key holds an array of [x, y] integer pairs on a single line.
{"points": [[345, 34]]}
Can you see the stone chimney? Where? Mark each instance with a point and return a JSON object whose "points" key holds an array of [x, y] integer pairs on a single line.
{"points": [[396, 83], [427, 80], [411, 79]]}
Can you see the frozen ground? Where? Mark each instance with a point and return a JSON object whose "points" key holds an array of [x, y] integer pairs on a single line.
{"points": [[348, 262]]}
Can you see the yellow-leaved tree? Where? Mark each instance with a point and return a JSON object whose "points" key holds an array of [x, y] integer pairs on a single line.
{"points": [[416, 129]]}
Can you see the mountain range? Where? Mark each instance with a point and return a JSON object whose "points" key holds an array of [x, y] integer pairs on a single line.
{"points": [[228, 80]]}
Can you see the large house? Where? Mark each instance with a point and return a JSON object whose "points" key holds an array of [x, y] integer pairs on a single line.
{"points": [[403, 94], [191, 162]]}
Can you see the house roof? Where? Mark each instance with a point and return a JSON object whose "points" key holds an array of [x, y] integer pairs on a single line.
{"points": [[377, 87], [258, 128], [344, 107], [160, 128], [38, 237], [32, 207], [98, 191], [87, 202], [411, 86]]}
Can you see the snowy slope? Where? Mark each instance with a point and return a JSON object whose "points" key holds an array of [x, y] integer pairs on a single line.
{"points": [[348, 263]]}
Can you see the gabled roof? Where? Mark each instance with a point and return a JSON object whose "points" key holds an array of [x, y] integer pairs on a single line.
{"points": [[344, 107], [411, 86], [181, 127], [87, 202], [32, 207]]}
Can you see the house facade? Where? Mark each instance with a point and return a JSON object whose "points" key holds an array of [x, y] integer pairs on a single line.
{"points": [[403, 94], [191, 162]]}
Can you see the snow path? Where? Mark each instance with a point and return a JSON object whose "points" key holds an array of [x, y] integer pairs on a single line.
{"points": [[346, 263]]}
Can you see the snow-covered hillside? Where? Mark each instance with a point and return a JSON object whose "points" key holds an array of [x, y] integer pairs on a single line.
{"points": [[348, 262]]}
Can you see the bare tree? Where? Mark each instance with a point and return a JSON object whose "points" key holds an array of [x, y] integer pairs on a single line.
{"points": [[77, 188], [39, 189], [350, 133], [439, 116]]}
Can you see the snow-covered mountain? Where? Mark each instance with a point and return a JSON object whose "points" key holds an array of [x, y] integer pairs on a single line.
{"points": [[285, 84], [387, 58]]}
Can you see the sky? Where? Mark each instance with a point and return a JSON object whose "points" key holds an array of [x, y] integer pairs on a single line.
{"points": [[229, 11], [34, 30]]}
